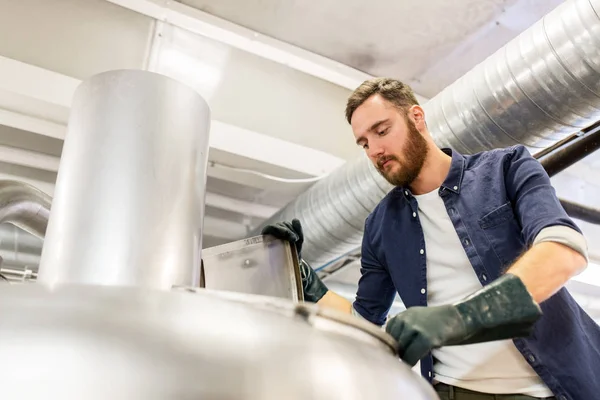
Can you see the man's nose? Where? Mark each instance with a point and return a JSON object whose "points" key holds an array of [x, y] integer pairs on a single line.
{"points": [[375, 151]]}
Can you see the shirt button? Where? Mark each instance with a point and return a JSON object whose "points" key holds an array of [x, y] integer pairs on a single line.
{"points": [[406, 192], [455, 187], [466, 242], [423, 291], [430, 374], [531, 358], [483, 277], [421, 251], [414, 214]]}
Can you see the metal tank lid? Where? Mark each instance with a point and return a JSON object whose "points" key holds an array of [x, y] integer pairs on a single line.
{"points": [[320, 318], [98, 342]]}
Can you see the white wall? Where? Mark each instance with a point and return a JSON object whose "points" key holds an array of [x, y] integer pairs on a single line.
{"points": [[258, 94]]}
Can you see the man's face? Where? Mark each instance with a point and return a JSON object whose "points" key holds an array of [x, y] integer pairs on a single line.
{"points": [[391, 140]]}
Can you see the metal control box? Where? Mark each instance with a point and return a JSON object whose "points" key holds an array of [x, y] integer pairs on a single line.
{"points": [[260, 265]]}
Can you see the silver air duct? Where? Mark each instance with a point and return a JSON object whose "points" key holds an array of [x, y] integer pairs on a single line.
{"points": [[24, 206], [537, 90], [129, 199]]}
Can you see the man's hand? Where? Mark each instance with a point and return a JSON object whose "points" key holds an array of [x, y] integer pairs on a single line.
{"points": [[418, 330], [290, 231], [502, 310], [314, 289]]}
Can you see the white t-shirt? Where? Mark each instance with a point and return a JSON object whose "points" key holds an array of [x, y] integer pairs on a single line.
{"points": [[493, 367]]}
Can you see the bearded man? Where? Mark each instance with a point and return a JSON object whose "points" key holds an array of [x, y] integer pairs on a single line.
{"points": [[479, 248]]}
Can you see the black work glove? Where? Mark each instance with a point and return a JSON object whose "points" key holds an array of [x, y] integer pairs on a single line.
{"points": [[312, 286], [314, 289], [502, 310], [290, 231]]}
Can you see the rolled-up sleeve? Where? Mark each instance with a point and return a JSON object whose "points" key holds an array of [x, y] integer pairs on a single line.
{"points": [[533, 197], [376, 290]]}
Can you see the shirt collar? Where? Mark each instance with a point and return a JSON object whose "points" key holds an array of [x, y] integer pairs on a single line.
{"points": [[453, 180]]}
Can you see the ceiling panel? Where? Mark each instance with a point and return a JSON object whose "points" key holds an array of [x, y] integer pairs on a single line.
{"points": [[402, 39], [77, 38]]}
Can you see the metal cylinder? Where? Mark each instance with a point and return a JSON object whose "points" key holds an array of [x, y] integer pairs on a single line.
{"points": [[581, 212], [129, 199], [571, 152]]}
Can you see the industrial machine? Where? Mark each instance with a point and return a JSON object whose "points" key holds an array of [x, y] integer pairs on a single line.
{"points": [[117, 310]]}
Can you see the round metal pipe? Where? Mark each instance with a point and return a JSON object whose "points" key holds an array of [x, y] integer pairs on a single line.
{"points": [[581, 212], [15, 239], [129, 199], [24, 206], [575, 150]]}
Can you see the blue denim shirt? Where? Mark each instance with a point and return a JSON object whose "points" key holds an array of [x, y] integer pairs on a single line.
{"points": [[498, 202]]}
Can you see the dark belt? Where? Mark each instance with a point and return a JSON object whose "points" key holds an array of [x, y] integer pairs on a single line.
{"points": [[454, 390]]}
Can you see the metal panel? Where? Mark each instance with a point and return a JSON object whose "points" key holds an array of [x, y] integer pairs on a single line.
{"points": [[259, 265]]}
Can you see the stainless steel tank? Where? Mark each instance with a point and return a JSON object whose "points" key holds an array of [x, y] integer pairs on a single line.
{"points": [[94, 342]]}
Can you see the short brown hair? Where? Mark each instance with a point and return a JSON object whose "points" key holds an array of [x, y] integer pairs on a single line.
{"points": [[394, 91]]}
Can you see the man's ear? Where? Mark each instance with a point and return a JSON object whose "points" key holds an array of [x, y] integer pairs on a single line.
{"points": [[417, 115]]}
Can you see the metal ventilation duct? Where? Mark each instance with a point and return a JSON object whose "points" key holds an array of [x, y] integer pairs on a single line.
{"points": [[24, 206], [537, 90]]}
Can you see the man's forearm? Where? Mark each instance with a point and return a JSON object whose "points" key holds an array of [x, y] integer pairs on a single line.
{"points": [[335, 301], [546, 267]]}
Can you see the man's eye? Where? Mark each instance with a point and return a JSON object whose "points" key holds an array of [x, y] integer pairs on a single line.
{"points": [[383, 132], [365, 146]]}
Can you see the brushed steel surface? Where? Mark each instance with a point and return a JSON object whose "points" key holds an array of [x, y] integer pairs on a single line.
{"points": [[92, 342], [129, 200]]}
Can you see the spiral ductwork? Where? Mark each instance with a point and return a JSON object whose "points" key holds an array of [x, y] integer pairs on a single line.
{"points": [[537, 90], [24, 206]]}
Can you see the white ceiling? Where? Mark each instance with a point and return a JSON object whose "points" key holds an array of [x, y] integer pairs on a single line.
{"points": [[428, 44], [58, 35]]}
